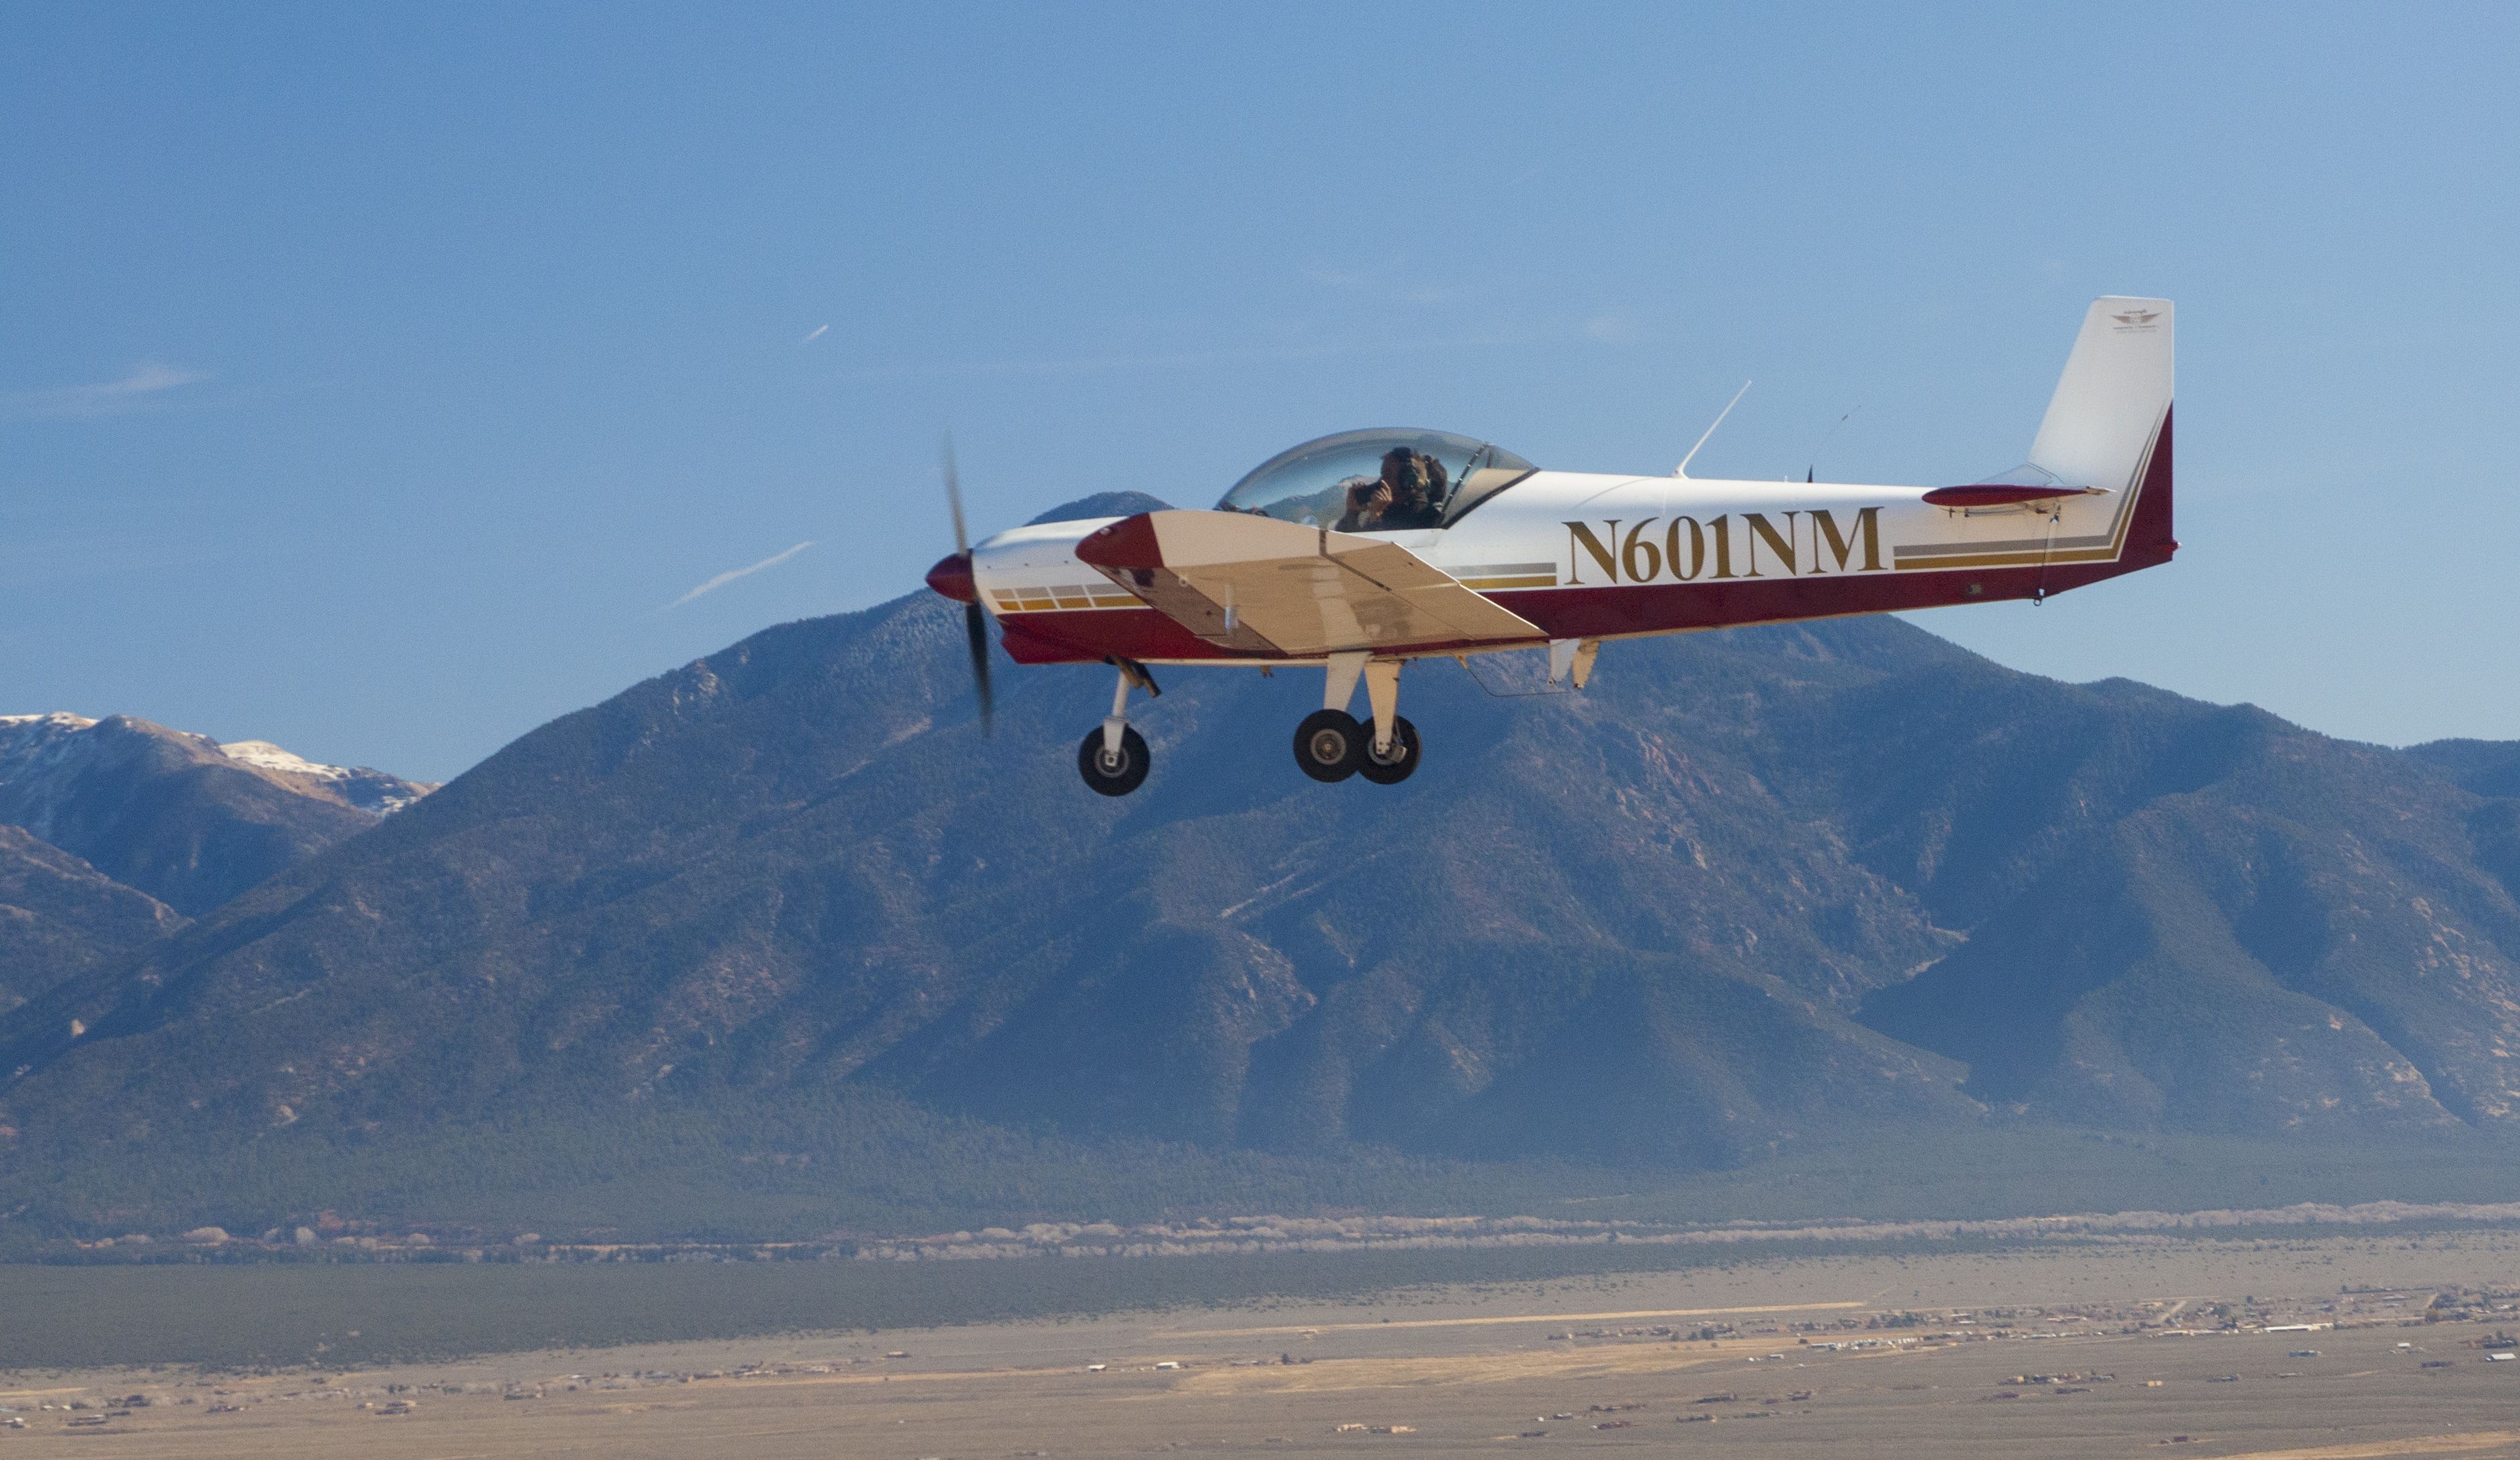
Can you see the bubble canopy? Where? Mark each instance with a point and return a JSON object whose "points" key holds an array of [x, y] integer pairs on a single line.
{"points": [[1310, 483]]}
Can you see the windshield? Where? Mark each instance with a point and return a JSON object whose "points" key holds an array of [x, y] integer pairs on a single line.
{"points": [[1380, 481]]}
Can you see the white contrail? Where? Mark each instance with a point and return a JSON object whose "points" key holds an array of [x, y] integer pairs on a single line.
{"points": [[725, 578], [819, 331], [132, 391]]}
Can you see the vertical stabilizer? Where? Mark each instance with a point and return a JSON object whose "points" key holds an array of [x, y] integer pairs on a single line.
{"points": [[2113, 397]]}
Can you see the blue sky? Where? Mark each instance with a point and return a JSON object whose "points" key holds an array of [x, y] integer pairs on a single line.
{"points": [[383, 380]]}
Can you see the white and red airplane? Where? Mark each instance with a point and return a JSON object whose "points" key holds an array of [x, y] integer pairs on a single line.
{"points": [[1363, 551]]}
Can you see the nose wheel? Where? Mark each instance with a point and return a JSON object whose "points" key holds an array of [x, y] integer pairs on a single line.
{"points": [[1113, 773], [1113, 758]]}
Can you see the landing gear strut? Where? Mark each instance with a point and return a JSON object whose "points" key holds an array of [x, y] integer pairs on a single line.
{"points": [[1113, 759], [1393, 764], [1330, 745]]}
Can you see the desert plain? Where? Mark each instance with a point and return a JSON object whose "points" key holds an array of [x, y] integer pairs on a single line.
{"points": [[2325, 1348]]}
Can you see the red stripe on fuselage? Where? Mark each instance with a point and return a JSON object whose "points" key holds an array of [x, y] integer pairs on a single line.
{"points": [[1089, 635]]}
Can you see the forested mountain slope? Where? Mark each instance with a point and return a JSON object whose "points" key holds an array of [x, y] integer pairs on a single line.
{"points": [[61, 917]]}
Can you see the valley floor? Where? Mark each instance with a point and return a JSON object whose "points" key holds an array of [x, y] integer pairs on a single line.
{"points": [[2108, 1350]]}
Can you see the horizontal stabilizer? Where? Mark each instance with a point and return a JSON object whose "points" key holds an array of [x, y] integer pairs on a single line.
{"points": [[2004, 494]]}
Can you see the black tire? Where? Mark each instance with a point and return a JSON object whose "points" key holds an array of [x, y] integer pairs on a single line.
{"points": [[1404, 754], [1329, 745], [1109, 780]]}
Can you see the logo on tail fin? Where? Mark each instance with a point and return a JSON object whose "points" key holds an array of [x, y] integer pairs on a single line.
{"points": [[2136, 319]]}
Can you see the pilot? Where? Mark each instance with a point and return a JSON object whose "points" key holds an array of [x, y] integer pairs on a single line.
{"points": [[1399, 500], [1415, 481]]}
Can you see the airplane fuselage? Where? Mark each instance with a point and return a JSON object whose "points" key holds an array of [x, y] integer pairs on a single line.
{"points": [[1585, 555]]}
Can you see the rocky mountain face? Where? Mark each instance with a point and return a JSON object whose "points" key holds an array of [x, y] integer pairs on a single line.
{"points": [[176, 816], [1750, 885], [2200, 918]]}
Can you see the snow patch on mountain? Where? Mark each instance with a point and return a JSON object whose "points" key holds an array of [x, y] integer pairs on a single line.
{"points": [[38, 748], [34, 749], [272, 758], [57, 719], [366, 789]]}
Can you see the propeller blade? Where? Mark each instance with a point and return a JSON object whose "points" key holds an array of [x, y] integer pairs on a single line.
{"points": [[954, 500], [976, 619], [975, 624]]}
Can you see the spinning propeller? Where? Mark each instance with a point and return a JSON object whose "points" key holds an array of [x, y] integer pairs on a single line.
{"points": [[952, 577]]}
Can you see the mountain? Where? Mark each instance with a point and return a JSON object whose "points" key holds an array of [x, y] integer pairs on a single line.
{"points": [[61, 917], [2489, 768], [178, 816], [2195, 917], [797, 863], [1750, 888]]}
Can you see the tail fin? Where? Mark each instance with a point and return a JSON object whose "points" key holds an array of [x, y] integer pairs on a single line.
{"points": [[2113, 400]]}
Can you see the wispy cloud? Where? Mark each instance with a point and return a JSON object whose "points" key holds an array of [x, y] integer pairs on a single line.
{"points": [[819, 331], [132, 392], [729, 576]]}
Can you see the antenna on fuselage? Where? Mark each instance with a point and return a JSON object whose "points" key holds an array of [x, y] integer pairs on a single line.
{"points": [[1682, 470], [1825, 437]]}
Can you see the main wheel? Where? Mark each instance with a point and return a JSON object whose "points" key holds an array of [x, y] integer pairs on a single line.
{"points": [[1329, 745], [1111, 776], [1403, 758]]}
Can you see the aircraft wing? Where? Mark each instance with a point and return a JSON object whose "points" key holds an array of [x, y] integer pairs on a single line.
{"points": [[1260, 584]]}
